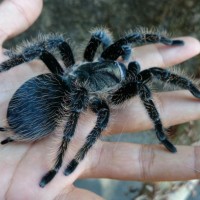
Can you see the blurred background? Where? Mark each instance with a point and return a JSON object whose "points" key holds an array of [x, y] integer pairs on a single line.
{"points": [[75, 18]]}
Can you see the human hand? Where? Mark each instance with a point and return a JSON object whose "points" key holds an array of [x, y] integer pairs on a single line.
{"points": [[23, 165]]}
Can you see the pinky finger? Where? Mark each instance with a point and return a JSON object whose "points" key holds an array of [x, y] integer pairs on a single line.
{"points": [[77, 193], [163, 56]]}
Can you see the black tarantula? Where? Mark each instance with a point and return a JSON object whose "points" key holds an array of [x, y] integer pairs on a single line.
{"points": [[38, 105]]}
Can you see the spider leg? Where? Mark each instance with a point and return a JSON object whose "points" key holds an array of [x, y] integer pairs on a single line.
{"points": [[122, 46], [99, 36], [168, 77], [66, 53], [68, 134], [101, 109], [42, 49], [8, 139], [130, 87], [79, 102], [51, 63], [151, 38], [146, 98]]}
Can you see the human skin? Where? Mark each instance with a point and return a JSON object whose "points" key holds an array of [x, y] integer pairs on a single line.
{"points": [[22, 165]]}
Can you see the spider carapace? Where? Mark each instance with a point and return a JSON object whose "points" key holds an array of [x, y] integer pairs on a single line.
{"points": [[38, 106]]}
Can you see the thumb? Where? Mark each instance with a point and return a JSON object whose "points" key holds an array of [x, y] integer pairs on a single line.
{"points": [[16, 16]]}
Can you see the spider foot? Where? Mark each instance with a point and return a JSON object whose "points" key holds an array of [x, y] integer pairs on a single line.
{"points": [[177, 42], [169, 146], [7, 140], [47, 178], [195, 91], [3, 129], [71, 167], [170, 42]]}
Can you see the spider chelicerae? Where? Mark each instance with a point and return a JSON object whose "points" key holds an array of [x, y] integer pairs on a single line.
{"points": [[38, 106]]}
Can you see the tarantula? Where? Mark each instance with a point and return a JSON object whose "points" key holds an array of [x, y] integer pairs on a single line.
{"points": [[38, 106]]}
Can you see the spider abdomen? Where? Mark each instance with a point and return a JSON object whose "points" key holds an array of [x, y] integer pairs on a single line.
{"points": [[36, 107]]}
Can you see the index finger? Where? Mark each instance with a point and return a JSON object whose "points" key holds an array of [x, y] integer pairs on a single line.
{"points": [[159, 55]]}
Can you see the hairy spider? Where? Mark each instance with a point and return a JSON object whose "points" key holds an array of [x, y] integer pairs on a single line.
{"points": [[38, 106]]}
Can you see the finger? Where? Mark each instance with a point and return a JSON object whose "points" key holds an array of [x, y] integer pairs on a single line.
{"points": [[16, 16], [77, 193], [174, 107], [35, 163], [160, 55], [10, 156], [146, 163], [29, 172]]}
